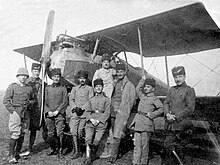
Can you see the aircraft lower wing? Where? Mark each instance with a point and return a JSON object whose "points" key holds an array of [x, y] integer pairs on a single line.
{"points": [[182, 30]]}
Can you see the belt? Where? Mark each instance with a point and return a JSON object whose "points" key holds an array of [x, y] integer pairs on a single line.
{"points": [[97, 111], [144, 114]]}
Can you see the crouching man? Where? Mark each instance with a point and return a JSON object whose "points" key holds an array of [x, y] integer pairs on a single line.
{"points": [[97, 114], [56, 102], [18, 100]]}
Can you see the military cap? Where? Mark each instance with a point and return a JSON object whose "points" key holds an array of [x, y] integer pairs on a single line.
{"points": [[36, 66], [98, 81], [105, 57], [22, 71], [56, 71], [150, 81], [120, 66], [178, 70], [82, 73]]}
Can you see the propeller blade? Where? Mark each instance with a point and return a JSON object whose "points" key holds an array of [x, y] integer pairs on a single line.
{"points": [[45, 56]]}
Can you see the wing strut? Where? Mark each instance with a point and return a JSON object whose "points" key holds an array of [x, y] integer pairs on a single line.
{"points": [[166, 64], [141, 52], [95, 49], [126, 60]]}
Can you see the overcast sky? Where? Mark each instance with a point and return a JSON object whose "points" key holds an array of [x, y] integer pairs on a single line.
{"points": [[23, 23]]}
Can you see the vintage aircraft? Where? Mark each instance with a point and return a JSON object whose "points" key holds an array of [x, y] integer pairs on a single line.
{"points": [[182, 30]]}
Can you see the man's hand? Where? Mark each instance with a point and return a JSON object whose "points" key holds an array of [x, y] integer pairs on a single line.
{"points": [[93, 121], [50, 114], [170, 117], [96, 122], [55, 113]]}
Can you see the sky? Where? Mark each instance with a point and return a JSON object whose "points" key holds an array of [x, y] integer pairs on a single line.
{"points": [[23, 24]]}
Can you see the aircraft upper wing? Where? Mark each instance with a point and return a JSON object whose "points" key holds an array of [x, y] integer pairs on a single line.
{"points": [[179, 31], [182, 30]]}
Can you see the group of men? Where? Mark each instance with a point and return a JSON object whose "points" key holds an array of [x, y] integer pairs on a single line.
{"points": [[92, 109]]}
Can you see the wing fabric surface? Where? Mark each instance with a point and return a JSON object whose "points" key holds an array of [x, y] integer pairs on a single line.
{"points": [[183, 30]]}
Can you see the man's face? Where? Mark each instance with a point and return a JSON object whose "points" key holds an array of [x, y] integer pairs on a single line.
{"points": [[105, 64], [22, 78], [56, 79], [98, 89], [82, 80], [148, 89], [179, 79], [120, 74], [35, 73]]}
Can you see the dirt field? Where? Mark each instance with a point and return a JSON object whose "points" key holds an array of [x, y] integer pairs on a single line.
{"points": [[41, 149]]}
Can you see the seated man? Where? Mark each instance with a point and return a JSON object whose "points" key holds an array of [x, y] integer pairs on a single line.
{"points": [[97, 114]]}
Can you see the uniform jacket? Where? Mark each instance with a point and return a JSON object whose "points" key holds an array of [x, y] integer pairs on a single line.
{"points": [[56, 98], [151, 107], [124, 107], [98, 107], [78, 98], [18, 98], [180, 101]]}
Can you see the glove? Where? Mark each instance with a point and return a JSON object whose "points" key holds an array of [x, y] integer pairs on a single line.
{"points": [[79, 111]]}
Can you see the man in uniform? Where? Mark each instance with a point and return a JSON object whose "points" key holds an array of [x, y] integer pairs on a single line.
{"points": [[97, 114], [122, 101], [18, 100], [36, 83], [77, 99], [56, 102], [178, 108]]}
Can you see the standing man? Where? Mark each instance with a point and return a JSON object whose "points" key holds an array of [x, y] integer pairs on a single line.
{"points": [[179, 106], [36, 83], [77, 100], [122, 101], [56, 102], [18, 100]]}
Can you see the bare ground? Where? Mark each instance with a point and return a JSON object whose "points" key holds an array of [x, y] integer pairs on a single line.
{"points": [[41, 149]]}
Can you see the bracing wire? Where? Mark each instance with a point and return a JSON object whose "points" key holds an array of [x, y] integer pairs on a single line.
{"points": [[211, 70]]}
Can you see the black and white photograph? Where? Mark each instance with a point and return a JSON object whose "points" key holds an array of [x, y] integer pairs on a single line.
{"points": [[110, 82]]}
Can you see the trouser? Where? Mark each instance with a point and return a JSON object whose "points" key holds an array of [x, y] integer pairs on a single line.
{"points": [[141, 147], [55, 127], [94, 131], [170, 145], [77, 126], [17, 126]]}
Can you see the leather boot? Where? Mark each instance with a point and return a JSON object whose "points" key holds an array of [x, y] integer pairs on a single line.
{"points": [[88, 160], [20, 141], [52, 142], [33, 134], [12, 144], [75, 153], [114, 150], [60, 152]]}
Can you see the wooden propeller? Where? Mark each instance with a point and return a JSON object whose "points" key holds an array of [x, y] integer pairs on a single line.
{"points": [[45, 57]]}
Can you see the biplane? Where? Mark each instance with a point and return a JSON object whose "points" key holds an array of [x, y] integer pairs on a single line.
{"points": [[183, 30]]}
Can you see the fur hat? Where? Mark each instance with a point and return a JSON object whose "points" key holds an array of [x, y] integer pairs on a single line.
{"points": [[98, 81], [82, 73], [150, 81], [120, 66], [105, 57], [36, 66], [22, 71], [178, 70], [56, 71]]}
